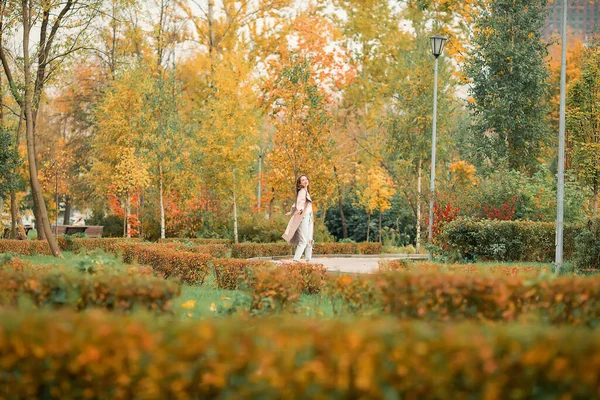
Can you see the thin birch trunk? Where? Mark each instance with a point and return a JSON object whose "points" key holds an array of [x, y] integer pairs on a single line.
{"points": [[162, 203], [419, 190]]}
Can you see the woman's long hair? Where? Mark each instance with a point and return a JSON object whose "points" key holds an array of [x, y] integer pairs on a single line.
{"points": [[299, 186]]}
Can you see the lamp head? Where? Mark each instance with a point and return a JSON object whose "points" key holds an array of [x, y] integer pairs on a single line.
{"points": [[437, 44]]}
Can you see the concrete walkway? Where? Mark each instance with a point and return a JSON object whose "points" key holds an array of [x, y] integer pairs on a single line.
{"points": [[361, 264]]}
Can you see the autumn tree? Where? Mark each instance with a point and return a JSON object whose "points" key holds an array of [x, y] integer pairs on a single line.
{"points": [[162, 140], [227, 136], [302, 140], [51, 21], [508, 72], [116, 145], [8, 163], [583, 122], [303, 82], [71, 115], [375, 192]]}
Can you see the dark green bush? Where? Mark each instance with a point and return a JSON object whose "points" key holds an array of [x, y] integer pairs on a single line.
{"points": [[587, 247], [468, 239]]}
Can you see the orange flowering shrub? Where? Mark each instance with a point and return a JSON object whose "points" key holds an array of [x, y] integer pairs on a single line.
{"points": [[215, 250], [274, 289], [107, 356], [435, 296], [60, 287], [353, 293], [250, 250], [232, 274], [24, 247], [508, 270], [196, 241], [108, 245], [369, 248], [394, 265], [189, 267], [311, 276]]}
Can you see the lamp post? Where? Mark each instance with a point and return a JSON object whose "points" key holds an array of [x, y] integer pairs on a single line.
{"points": [[560, 190], [437, 46]]}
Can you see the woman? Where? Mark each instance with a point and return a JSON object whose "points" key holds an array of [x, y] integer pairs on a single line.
{"points": [[299, 231]]}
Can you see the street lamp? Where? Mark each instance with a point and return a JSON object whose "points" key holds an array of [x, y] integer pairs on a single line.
{"points": [[437, 47], [560, 191]]}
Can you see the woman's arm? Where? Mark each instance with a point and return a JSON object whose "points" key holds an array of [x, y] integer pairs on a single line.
{"points": [[292, 210]]}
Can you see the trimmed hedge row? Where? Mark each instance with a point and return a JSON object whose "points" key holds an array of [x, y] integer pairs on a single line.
{"points": [[504, 240], [241, 250], [435, 296], [24, 247], [108, 245], [215, 250], [191, 268], [195, 241], [508, 270], [251, 250], [99, 355], [60, 287], [232, 274]]}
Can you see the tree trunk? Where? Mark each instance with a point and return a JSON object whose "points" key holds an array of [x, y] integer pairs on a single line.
{"points": [[162, 202], [235, 221], [342, 216], [124, 218], [419, 189], [368, 226], [141, 213], [41, 235], [127, 212], [270, 211], [380, 227], [36, 190], [13, 214], [259, 189], [113, 47], [67, 217], [595, 207], [14, 207]]}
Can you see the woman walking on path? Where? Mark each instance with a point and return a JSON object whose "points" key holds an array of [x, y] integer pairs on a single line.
{"points": [[299, 231]]}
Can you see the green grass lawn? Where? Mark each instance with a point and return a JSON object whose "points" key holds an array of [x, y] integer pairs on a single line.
{"points": [[73, 259], [198, 302]]}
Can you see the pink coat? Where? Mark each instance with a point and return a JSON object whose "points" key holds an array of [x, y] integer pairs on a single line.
{"points": [[291, 232]]}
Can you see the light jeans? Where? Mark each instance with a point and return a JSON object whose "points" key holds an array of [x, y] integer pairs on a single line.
{"points": [[305, 236]]}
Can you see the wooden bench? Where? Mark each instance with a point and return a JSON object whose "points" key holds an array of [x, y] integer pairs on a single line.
{"points": [[71, 230], [61, 229], [6, 234], [94, 231]]}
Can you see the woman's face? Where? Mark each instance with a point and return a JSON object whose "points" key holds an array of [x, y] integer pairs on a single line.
{"points": [[304, 182]]}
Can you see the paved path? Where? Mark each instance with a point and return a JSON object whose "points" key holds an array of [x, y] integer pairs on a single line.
{"points": [[358, 264]]}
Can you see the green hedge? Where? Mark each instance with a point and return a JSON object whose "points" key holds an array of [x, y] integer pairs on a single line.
{"points": [[469, 239], [103, 356], [587, 247]]}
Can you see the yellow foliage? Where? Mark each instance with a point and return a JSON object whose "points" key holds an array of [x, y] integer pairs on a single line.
{"points": [[464, 172], [376, 189]]}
